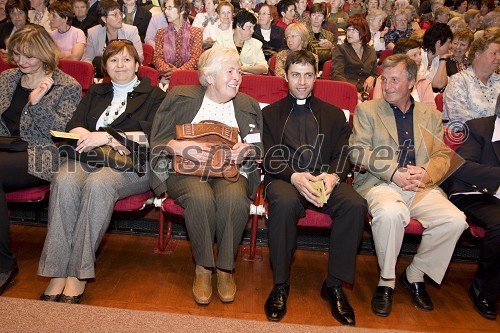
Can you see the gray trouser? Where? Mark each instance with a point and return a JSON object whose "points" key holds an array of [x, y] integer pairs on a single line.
{"points": [[213, 208], [80, 209]]}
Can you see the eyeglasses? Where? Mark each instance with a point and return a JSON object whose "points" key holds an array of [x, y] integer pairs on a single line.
{"points": [[168, 7], [351, 30], [116, 15], [264, 13]]}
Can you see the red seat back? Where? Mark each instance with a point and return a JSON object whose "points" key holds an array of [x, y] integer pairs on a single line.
{"points": [[327, 70], [148, 52], [183, 77], [439, 101], [264, 88], [151, 73], [341, 94], [272, 65], [82, 71], [383, 55]]}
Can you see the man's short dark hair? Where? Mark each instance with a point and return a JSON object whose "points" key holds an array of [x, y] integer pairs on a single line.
{"points": [[404, 45], [242, 17], [437, 32], [300, 57], [284, 4]]}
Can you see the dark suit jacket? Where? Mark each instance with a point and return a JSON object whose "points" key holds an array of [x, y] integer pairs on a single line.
{"points": [[481, 170], [332, 124], [139, 113], [180, 107], [346, 65], [86, 24], [141, 21], [5, 31], [277, 41]]}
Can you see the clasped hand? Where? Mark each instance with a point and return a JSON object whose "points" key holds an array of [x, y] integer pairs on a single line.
{"points": [[90, 140], [40, 91], [414, 179], [301, 181]]}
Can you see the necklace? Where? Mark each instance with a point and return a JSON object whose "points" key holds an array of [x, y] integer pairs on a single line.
{"points": [[110, 116], [63, 32]]}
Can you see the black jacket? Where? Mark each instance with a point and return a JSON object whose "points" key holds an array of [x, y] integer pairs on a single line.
{"points": [[481, 170], [277, 41], [141, 108], [332, 124]]}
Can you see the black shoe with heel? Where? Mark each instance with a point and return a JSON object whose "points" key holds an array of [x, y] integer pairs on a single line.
{"points": [[341, 309], [275, 306]]}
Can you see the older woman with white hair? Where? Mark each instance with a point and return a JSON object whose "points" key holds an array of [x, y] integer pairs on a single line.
{"points": [[375, 19], [215, 207]]}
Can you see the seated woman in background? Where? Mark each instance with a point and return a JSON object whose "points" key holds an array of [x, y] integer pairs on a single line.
{"points": [[457, 23], [223, 26], [401, 28], [178, 46], [36, 98], [355, 61], [214, 207], [71, 41], [81, 20], [422, 90], [436, 45], [321, 37], [39, 14], [473, 19], [111, 27], [462, 39], [375, 19], [136, 15], [271, 36], [297, 38], [337, 15], [472, 93], [82, 197], [250, 49], [18, 17]]}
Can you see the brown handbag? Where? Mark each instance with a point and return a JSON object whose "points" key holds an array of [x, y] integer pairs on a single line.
{"points": [[220, 138]]}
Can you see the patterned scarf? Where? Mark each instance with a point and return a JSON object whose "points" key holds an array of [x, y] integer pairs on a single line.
{"points": [[169, 43]]}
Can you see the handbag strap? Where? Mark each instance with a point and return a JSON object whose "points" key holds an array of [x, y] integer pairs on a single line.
{"points": [[205, 127], [130, 144]]}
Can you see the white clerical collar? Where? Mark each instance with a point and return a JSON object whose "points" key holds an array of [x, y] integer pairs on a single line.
{"points": [[301, 101], [496, 132]]}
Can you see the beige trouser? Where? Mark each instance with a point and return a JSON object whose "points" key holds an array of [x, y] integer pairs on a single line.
{"points": [[392, 208]]}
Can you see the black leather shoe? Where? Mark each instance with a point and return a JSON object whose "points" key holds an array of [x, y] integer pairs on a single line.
{"points": [[71, 299], [50, 298], [485, 307], [275, 306], [419, 295], [382, 301], [341, 309], [6, 278]]}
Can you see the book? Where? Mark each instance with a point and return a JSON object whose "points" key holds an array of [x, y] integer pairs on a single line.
{"points": [[64, 135], [319, 186]]}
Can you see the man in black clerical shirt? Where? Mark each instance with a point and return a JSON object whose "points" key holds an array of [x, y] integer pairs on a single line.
{"points": [[305, 140]]}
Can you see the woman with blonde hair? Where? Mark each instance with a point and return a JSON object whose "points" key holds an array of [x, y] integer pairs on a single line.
{"points": [[36, 97]]}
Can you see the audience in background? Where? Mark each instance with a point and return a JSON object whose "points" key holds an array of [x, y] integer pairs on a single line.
{"points": [[457, 23], [472, 93], [81, 19], [179, 45], [337, 15], [36, 97], [158, 21], [111, 27], [297, 38], [462, 39], [71, 41], [271, 36], [286, 9], [401, 29], [301, 13], [136, 15], [375, 19], [39, 14], [436, 45], [252, 59], [18, 17], [355, 61], [225, 11], [473, 19]]}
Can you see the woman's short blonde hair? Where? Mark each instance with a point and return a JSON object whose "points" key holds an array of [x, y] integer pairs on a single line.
{"points": [[457, 22], [470, 14], [374, 13], [301, 30], [213, 60], [34, 41]]}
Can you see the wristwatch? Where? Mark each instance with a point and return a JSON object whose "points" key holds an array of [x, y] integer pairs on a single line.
{"points": [[337, 182]]}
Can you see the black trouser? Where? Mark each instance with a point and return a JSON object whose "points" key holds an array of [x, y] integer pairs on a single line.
{"points": [[484, 210], [13, 176], [347, 210]]}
